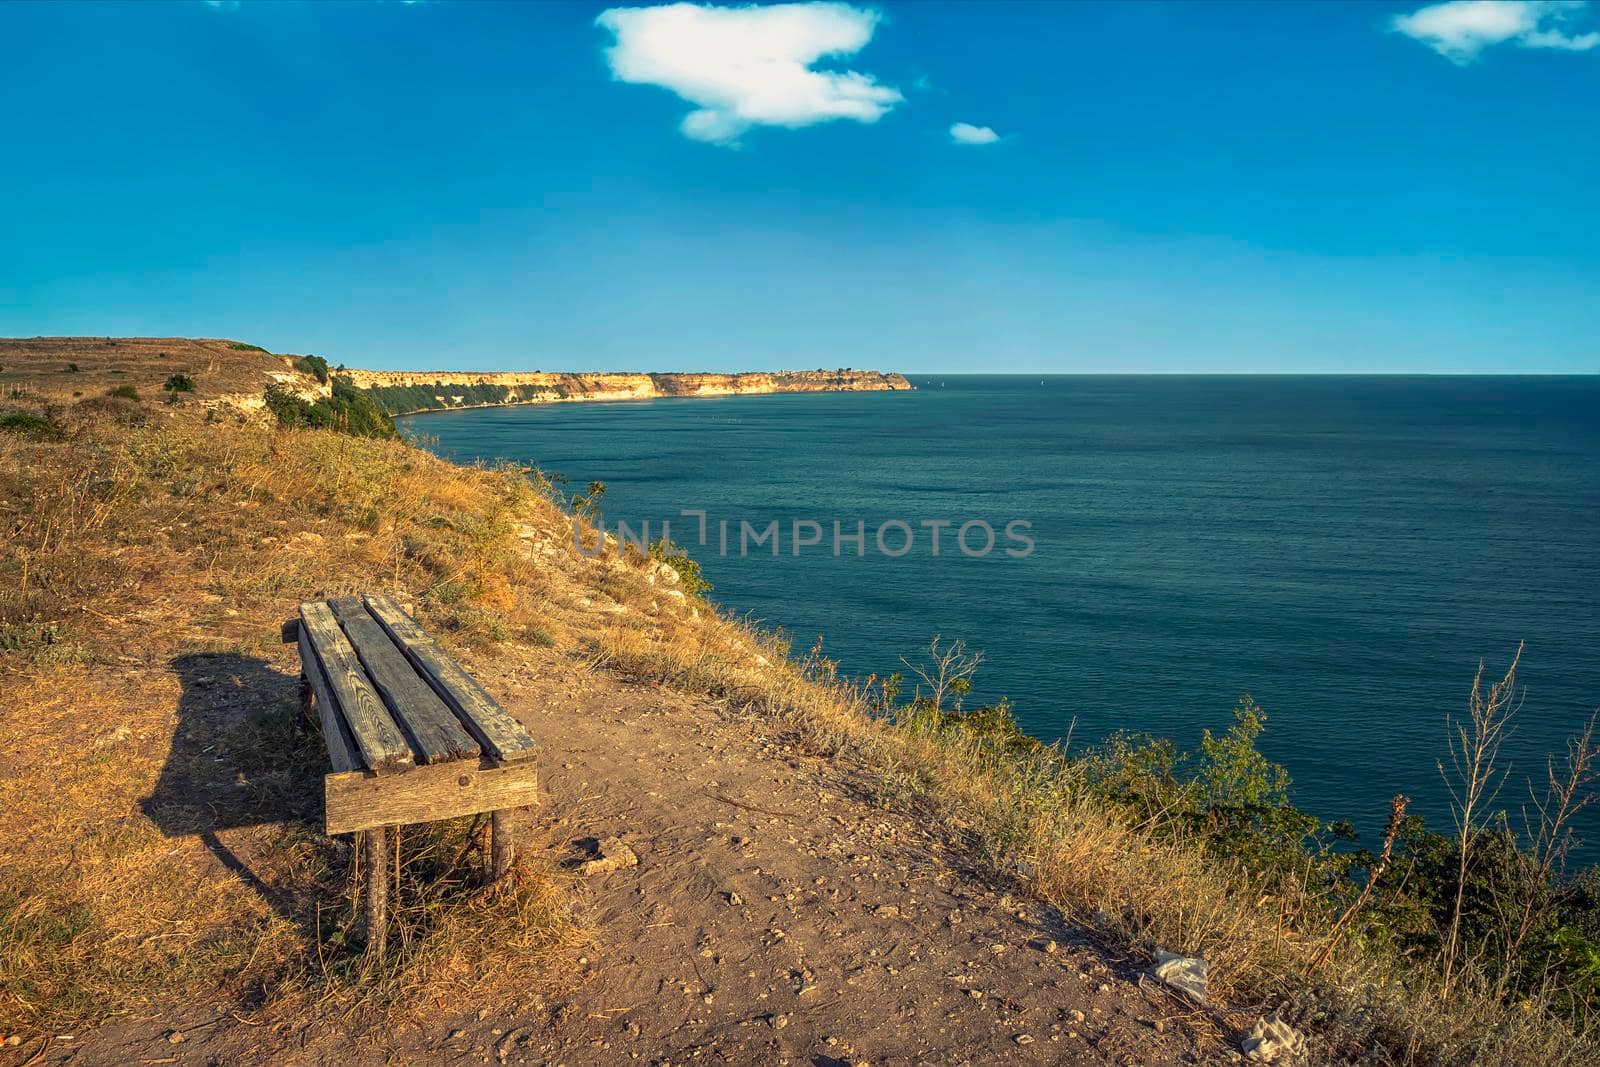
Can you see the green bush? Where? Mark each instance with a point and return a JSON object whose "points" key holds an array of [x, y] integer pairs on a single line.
{"points": [[27, 424], [1534, 928], [405, 399], [240, 346], [315, 366], [689, 576], [179, 383], [347, 410]]}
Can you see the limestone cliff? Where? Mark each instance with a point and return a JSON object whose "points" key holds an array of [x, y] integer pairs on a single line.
{"points": [[407, 392]]}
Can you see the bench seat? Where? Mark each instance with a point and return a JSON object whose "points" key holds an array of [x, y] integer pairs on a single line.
{"points": [[411, 737]]}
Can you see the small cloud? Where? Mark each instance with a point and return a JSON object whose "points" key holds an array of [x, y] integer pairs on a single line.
{"points": [[749, 66], [967, 133], [1460, 29]]}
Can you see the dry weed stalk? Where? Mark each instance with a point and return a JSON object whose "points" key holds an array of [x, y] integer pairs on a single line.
{"points": [[1567, 792], [1397, 811], [1474, 780]]}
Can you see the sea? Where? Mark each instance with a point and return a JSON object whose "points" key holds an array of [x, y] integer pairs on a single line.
{"points": [[1346, 550]]}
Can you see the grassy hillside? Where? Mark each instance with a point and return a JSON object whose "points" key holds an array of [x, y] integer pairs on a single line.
{"points": [[151, 551]]}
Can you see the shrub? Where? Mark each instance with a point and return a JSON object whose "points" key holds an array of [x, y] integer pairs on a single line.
{"points": [[126, 392], [240, 346], [116, 407], [179, 383], [315, 366], [72, 368], [27, 424], [689, 576], [347, 410]]}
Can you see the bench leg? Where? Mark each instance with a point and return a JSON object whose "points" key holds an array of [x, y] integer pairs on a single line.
{"points": [[502, 842], [505, 838], [375, 843]]}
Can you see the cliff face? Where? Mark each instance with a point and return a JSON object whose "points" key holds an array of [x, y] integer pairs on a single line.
{"points": [[404, 392]]}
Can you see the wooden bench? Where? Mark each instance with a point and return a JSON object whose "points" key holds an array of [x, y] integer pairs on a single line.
{"points": [[411, 736]]}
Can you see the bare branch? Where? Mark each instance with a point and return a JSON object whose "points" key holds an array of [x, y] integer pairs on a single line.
{"points": [[946, 670]]}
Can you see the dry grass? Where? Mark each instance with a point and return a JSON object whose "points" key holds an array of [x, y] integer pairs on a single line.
{"points": [[1035, 821], [42, 369], [161, 798]]}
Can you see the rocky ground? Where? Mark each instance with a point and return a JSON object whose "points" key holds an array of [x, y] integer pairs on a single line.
{"points": [[753, 905]]}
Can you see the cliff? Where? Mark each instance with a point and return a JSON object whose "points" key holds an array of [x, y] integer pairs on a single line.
{"points": [[407, 392]]}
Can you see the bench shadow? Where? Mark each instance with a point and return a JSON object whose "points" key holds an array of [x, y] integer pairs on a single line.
{"points": [[241, 757]]}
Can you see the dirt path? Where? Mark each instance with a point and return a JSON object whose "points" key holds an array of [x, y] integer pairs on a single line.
{"points": [[775, 915]]}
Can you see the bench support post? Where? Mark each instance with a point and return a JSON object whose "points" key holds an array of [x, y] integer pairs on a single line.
{"points": [[505, 831], [375, 843], [502, 842]]}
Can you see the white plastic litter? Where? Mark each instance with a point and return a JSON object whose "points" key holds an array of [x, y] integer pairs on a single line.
{"points": [[1186, 974], [1273, 1041]]}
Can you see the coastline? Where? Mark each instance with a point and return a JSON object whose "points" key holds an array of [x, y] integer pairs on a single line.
{"points": [[418, 392], [621, 400]]}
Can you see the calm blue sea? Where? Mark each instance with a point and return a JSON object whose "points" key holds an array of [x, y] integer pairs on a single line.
{"points": [[1343, 548]]}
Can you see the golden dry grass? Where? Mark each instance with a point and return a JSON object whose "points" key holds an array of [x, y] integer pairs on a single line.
{"points": [[149, 723], [40, 369], [1034, 821]]}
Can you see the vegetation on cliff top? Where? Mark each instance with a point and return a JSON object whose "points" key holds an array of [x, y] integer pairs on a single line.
{"points": [[346, 409]]}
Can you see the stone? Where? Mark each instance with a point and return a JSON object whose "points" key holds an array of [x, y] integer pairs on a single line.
{"points": [[1271, 1040], [612, 854], [1186, 974], [1023, 1039], [886, 911]]}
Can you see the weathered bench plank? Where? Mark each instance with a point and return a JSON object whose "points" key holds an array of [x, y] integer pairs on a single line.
{"points": [[383, 748], [425, 794], [436, 735], [502, 737], [342, 751]]}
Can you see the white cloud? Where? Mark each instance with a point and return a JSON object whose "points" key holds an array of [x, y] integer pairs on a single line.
{"points": [[1460, 29], [966, 133], [749, 66]]}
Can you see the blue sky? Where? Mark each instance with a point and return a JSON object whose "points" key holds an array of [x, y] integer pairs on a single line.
{"points": [[1137, 187]]}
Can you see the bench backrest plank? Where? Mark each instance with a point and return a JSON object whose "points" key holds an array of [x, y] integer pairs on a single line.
{"points": [[502, 737], [436, 735], [383, 748]]}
